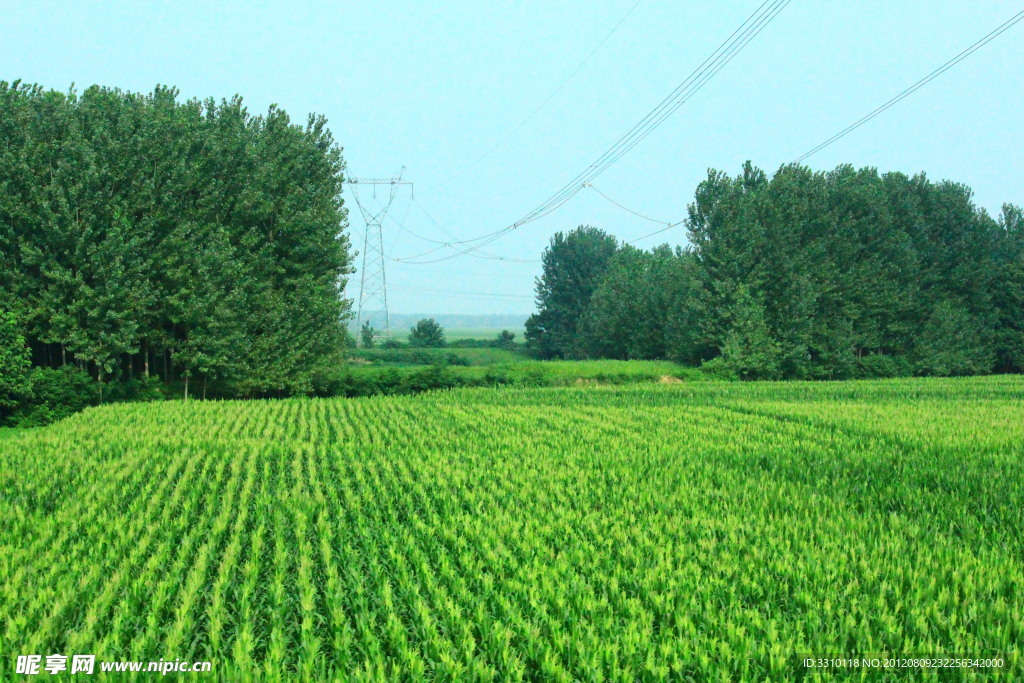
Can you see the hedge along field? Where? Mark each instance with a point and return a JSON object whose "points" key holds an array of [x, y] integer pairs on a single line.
{"points": [[694, 531]]}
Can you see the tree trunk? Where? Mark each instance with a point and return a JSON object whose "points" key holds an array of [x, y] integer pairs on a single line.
{"points": [[63, 355], [167, 377], [186, 386], [145, 358], [204, 387], [99, 379]]}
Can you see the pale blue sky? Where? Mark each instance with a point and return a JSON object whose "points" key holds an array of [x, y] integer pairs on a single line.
{"points": [[433, 85]]}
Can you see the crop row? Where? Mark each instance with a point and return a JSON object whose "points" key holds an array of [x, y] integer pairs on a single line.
{"points": [[712, 532]]}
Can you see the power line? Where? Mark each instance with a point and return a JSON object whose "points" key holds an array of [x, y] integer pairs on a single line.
{"points": [[739, 39], [626, 208], [482, 254], [550, 96], [443, 244], [394, 240], [640, 131], [689, 87], [491, 296], [497, 295], [989, 37], [707, 70], [656, 232], [536, 183], [437, 223], [403, 228], [450, 244], [995, 33], [668, 224], [444, 271]]}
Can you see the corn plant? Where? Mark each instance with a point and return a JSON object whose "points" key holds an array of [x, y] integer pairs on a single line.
{"points": [[650, 532]]}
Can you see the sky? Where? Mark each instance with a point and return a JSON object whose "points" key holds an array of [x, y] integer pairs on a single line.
{"points": [[436, 86]]}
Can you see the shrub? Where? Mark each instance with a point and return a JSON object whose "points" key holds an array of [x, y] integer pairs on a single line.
{"points": [[718, 368], [55, 394], [140, 389], [406, 356], [366, 334], [880, 366], [434, 377], [15, 375], [471, 344], [505, 340], [427, 332]]}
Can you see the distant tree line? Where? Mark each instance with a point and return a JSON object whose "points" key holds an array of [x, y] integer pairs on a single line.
{"points": [[818, 275], [428, 333], [143, 236]]}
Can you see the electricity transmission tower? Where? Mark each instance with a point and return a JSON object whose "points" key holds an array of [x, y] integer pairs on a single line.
{"points": [[373, 294]]}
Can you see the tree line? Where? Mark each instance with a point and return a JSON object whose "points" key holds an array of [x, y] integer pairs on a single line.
{"points": [[804, 274], [142, 236], [149, 240]]}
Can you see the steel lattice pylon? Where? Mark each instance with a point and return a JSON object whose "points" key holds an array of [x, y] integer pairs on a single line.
{"points": [[373, 292]]}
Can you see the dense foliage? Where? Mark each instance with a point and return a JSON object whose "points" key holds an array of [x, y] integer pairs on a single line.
{"points": [[506, 340], [15, 363], [572, 268], [619, 320], [802, 275], [703, 531], [426, 333], [366, 335], [141, 235], [389, 378]]}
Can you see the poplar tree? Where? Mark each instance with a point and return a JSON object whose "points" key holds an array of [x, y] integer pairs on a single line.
{"points": [[573, 265], [137, 229]]}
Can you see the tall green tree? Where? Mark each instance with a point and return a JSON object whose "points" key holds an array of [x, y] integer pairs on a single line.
{"points": [[505, 340], [848, 265], [366, 333], [138, 229], [1008, 292], [952, 342], [628, 313], [427, 333], [749, 350], [15, 363], [572, 267]]}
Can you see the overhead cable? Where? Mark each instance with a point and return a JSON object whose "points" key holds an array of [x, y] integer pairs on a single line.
{"points": [[742, 36], [995, 33], [550, 96], [626, 208]]}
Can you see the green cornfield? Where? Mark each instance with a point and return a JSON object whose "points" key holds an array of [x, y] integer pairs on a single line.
{"points": [[658, 532]]}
